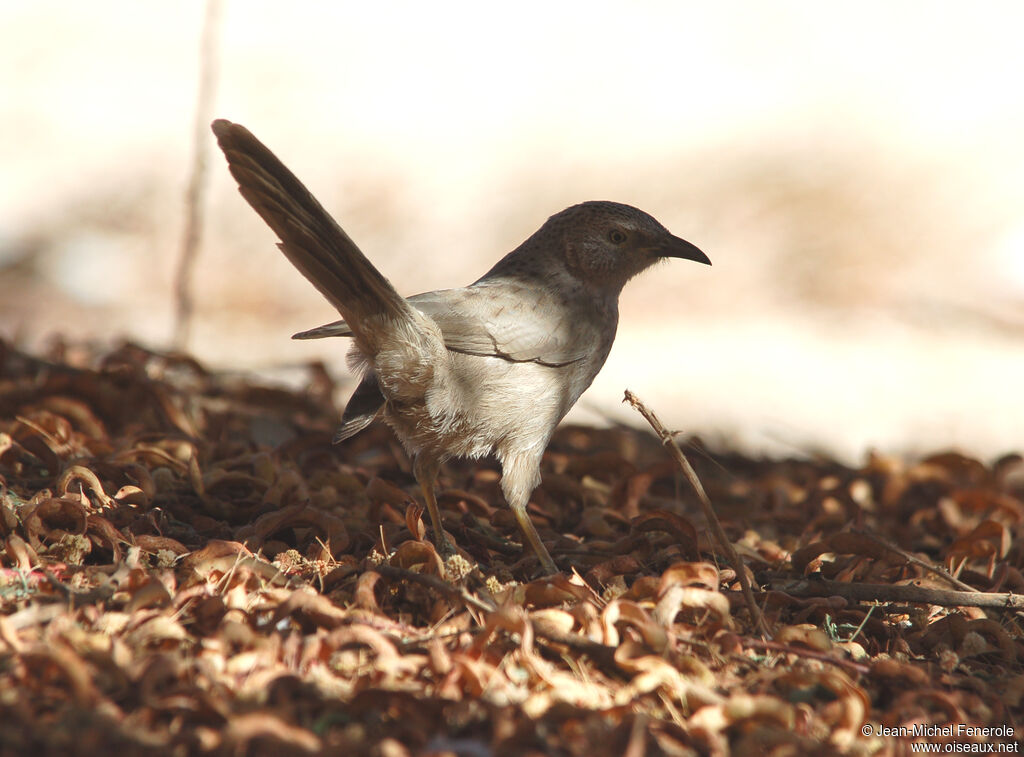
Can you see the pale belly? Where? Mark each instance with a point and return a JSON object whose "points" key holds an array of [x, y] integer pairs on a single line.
{"points": [[484, 404]]}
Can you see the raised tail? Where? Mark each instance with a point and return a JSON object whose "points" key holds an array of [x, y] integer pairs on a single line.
{"points": [[312, 240]]}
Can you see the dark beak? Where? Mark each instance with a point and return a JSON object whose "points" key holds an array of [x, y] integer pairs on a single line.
{"points": [[675, 247]]}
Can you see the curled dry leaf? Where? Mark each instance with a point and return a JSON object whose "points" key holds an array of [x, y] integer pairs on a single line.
{"points": [[606, 571], [329, 528], [364, 595], [388, 663], [418, 554], [85, 479], [220, 558], [379, 490], [806, 635], [843, 542], [141, 502], [308, 607], [554, 621], [20, 554], [151, 594], [744, 709], [258, 731], [701, 601], [132, 495], [684, 532], [52, 518], [552, 591], [158, 631], [693, 586], [155, 544], [630, 614], [59, 664], [989, 541], [848, 711]]}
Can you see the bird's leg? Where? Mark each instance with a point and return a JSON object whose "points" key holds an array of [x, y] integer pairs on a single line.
{"points": [[526, 526], [425, 469], [520, 475]]}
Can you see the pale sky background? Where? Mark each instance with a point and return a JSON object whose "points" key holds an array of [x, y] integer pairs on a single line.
{"points": [[855, 172]]}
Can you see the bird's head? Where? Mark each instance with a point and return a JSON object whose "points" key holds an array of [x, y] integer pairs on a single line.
{"points": [[607, 243]]}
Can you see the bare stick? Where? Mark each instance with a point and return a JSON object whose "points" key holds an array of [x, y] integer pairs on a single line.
{"points": [[915, 560], [705, 503], [197, 177], [898, 593]]}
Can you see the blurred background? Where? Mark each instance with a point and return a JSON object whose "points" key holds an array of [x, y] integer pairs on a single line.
{"points": [[856, 173]]}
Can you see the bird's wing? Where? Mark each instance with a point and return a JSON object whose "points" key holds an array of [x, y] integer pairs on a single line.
{"points": [[504, 321], [494, 322], [363, 406]]}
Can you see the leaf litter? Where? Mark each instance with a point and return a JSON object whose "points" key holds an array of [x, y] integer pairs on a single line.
{"points": [[189, 566]]}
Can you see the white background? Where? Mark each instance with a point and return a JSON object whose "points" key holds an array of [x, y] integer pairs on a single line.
{"points": [[855, 172]]}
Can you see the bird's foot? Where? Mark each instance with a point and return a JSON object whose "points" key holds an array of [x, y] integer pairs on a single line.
{"points": [[444, 546]]}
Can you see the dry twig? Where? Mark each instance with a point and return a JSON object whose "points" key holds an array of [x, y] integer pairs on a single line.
{"points": [[915, 560], [861, 592], [709, 511], [197, 175]]}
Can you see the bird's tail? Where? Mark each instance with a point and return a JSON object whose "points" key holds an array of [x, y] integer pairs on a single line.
{"points": [[314, 242]]}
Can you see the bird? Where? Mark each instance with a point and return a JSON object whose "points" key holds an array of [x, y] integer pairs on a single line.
{"points": [[489, 368]]}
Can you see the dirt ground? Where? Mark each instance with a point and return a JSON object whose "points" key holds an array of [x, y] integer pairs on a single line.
{"points": [[189, 566]]}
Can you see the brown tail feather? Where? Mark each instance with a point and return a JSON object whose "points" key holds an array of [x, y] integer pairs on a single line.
{"points": [[310, 238]]}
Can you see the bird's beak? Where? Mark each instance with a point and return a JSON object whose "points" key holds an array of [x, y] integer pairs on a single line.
{"points": [[680, 248]]}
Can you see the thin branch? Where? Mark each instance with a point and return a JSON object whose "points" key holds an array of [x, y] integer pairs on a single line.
{"points": [[915, 560], [705, 502], [194, 194], [899, 593]]}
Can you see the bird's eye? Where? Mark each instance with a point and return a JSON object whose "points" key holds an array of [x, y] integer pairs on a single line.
{"points": [[616, 237]]}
